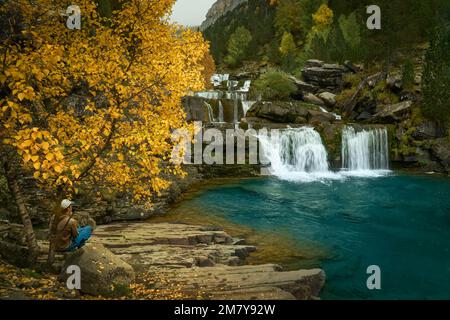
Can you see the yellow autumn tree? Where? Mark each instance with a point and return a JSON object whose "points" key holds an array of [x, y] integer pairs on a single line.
{"points": [[93, 107], [323, 18], [209, 69]]}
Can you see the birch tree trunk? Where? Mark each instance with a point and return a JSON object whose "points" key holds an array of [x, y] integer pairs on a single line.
{"points": [[14, 188]]}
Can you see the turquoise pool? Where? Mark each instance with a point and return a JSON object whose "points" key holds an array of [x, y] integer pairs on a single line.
{"points": [[399, 222]]}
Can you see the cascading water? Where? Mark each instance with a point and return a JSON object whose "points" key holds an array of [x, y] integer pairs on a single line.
{"points": [[365, 150], [246, 105], [221, 112], [210, 112], [296, 154]]}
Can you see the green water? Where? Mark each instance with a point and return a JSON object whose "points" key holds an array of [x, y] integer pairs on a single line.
{"points": [[400, 223]]}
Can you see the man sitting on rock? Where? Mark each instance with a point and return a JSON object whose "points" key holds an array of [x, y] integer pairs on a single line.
{"points": [[67, 236]]}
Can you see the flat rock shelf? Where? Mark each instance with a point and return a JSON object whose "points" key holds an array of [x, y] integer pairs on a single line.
{"points": [[205, 259]]}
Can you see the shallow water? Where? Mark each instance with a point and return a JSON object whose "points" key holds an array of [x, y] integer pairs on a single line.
{"points": [[399, 222]]}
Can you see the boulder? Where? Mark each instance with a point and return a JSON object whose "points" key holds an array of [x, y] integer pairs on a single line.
{"points": [[303, 86], [364, 116], [319, 117], [393, 113], [441, 151], [352, 67], [328, 98], [102, 272], [314, 63], [311, 98], [325, 76], [394, 82], [427, 129], [284, 112], [195, 109], [290, 112]]}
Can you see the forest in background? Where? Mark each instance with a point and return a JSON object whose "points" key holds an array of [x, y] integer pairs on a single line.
{"points": [[288, 32]]}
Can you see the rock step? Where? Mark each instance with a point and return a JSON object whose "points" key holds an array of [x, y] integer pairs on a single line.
{"points": [[185, 256], [225, 280], [262, 293], [177, 245], [124, 234]]}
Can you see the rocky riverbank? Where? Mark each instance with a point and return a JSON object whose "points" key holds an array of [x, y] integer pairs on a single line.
{"points": [[179, 260]]}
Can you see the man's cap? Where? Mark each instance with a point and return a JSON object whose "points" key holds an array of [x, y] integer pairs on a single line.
{"points": [[66, 203]]}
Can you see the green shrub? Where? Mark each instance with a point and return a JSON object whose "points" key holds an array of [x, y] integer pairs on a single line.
{"points": [[274, 85]]}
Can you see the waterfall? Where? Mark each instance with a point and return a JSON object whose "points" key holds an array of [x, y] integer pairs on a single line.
{"points": [[221, 119], [365, 150], [236, 111], [335, 115], [210, 95], [217, 79], [246, 105], [210, 112], [246, 87], [296, 155]]}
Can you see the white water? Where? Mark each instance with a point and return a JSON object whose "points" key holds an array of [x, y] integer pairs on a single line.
{"points": [[217, 79], [297, 155], [336, 116], [246, 105], [210, 112], [210, 95], [365, 153], [221, 112], [246, 87]]}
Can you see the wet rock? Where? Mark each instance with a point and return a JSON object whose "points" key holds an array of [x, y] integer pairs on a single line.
{"points": [[320, 118]]}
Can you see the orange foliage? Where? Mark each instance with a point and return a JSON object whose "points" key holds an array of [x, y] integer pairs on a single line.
{"points": [[134, 68], [209, 68]]}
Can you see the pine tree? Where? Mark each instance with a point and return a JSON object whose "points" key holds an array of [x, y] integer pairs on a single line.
{"points": [[238, 46], [436, 77], [408, 74]]}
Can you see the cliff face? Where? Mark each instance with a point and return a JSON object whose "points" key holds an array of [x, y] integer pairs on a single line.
{"points": [[219, 9]]}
